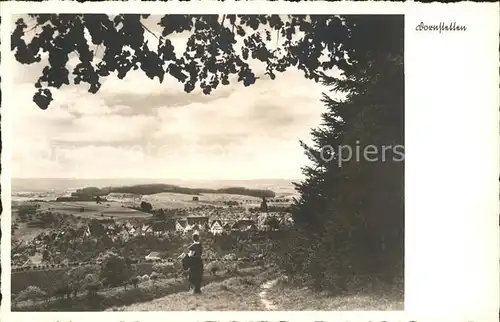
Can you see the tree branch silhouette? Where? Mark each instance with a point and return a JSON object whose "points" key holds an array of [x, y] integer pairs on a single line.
{"points": [[211, 55]]}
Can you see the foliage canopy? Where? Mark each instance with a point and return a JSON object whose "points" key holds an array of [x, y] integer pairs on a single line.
{"points": [[312, 43]]}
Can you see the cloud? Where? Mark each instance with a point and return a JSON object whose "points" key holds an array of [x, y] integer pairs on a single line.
{"points": [[106, 129]]}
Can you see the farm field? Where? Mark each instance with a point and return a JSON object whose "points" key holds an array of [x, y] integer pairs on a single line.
{"points": [[92, 209], [114, 210], [169, 200], [23, 232]]}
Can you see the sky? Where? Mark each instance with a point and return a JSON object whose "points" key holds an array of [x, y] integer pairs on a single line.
{"points": [[139, 128]]}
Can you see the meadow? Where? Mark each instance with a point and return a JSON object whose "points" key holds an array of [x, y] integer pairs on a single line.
{"points": [[92, 209]]}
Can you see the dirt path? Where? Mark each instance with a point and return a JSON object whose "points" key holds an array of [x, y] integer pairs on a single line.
{"points": [[268, 304]]}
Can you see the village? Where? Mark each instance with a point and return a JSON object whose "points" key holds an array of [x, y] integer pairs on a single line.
{"points": [[49, 242], [72, 239]]}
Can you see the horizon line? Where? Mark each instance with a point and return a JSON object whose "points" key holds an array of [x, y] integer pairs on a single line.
{"points": [[170, 179]]}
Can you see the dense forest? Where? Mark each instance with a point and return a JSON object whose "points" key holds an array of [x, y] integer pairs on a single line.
{"points": [[149, 189]]}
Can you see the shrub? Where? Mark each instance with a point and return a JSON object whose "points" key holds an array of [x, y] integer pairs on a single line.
{"points": [[62, 291], [77, 278], [91, 283], [164, 268], [154, 276], [246, 281], [114, 269], [231, 267], [31, 293], [134, 281], [92, 288], [214, 267]]}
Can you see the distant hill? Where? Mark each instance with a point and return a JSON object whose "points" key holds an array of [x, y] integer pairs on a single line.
{"points": [[149, 189], [72, 184]]}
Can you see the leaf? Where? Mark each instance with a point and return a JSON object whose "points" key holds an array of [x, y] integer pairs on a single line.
{"points": [[43, 98], [210, 49]]}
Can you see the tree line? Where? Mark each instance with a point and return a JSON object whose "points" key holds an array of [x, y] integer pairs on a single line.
{"points": [[149, 189]]}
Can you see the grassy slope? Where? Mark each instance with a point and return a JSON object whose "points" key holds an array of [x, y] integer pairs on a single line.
{"points": [[146, 293], [233, 294], [287, 297], [169, 200], [92, 209]]}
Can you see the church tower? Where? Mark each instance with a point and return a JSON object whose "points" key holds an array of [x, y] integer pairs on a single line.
{"points": [[263, 205]]}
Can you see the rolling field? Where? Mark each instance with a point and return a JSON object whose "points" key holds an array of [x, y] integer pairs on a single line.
{"points": [[168, 200], [115, 210], [24, 233], [92, 209]]}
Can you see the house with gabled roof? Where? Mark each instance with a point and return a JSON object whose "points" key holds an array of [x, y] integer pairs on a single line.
{"points": [[111, 230], [153, 256], [216, 227], [188, 228], [261, 219], [87, 233], [128, 226], [180, 225], [145, 229]]}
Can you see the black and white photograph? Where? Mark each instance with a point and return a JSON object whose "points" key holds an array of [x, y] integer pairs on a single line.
{"points": [[249, 161], [207, 162]]}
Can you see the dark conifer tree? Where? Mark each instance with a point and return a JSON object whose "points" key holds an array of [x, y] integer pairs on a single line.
{"points": [[352, 212]]}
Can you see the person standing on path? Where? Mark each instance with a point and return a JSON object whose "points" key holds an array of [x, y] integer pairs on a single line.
{"points": [[196, 264]]}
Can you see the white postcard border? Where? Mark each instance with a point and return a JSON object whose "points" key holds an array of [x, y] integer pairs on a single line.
{"points": [[452, 159]]}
